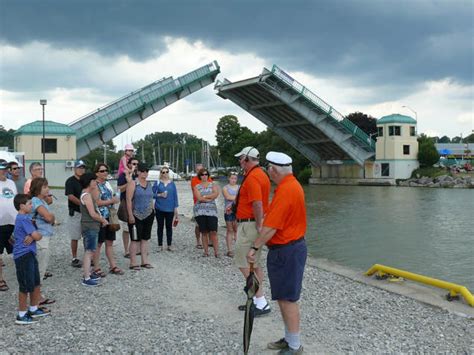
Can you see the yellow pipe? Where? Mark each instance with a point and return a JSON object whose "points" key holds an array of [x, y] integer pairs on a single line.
{"points": [[454, 289]]}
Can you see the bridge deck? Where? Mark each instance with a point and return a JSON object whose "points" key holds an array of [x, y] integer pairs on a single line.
{"points": [[300, 117]]}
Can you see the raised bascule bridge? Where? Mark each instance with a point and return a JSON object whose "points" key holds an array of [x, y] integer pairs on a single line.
{"points": [[104, 124], [300, 117]]}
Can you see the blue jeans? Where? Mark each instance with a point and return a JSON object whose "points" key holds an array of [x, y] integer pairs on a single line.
{"points": [[91, 238]]}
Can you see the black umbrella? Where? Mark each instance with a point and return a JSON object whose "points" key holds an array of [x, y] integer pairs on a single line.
{"points": [[251, 288]]}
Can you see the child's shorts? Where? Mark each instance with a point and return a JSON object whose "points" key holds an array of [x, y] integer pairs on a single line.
{"points": [[230, 217], [27, 272]]}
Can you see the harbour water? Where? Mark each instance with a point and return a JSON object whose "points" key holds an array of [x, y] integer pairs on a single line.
{"points": [[422, 230]]}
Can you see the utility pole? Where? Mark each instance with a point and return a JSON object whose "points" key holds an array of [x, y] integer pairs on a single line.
{"points": [[159, 153]]}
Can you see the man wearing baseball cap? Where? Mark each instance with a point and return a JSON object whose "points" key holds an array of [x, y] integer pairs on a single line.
{"points": [[251, 204], [283, 232], [73, 190]]}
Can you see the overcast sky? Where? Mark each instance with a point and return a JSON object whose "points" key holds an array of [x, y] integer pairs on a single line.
{"points": [[369, 56]]}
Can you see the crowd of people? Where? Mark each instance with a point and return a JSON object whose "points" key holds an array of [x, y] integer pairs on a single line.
{"points": [[97, 212]]}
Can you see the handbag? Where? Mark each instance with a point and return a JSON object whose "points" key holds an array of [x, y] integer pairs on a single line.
{"points": [[122, 213], [114, 224]]}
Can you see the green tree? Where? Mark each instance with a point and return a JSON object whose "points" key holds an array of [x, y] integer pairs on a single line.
{"points": [[365, 122], [444, 139], [97, 156], [427, 153], [6, 137], [469, 138], [230, 135]]}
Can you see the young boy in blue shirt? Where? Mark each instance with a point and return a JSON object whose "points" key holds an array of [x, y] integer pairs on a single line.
{"points": [[27, 271]]}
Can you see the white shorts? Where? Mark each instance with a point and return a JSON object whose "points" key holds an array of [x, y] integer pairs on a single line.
{"points": [[124, 226]]}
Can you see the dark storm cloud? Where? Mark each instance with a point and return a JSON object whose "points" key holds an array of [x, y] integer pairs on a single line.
{"points": [[370, 41]]}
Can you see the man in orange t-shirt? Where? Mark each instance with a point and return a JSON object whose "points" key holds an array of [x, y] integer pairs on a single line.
{"points": [[283, 232], [252, 203]]}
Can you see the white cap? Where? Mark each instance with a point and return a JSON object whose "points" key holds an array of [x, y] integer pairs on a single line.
{"points": [[251, 152], [280, 159], [128, 147]]}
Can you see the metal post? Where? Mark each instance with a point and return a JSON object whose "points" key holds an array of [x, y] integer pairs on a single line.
{"points": [[412, 110], [43, 103]]}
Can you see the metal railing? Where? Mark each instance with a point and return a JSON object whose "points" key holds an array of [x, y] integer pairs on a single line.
{"points": [[324, 106], [136, 100]]}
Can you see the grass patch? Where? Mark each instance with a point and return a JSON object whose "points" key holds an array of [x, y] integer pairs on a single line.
{"points": [[429, 172]]}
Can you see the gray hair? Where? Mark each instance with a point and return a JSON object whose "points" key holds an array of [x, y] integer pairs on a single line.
{"points": [[283, 170], [34, 165]]}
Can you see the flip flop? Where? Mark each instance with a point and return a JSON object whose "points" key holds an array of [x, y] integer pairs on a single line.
{"points": [[199, 246], [47, 301], [127, 256], [116, 271], [135, 267], [147, 266]]}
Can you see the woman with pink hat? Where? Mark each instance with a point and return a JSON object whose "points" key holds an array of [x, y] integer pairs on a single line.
{"points": [[128, 153]]}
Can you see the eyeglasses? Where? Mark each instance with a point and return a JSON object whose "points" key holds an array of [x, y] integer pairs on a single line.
{"points": [[165, 172], [15, 168], [103, 171]]}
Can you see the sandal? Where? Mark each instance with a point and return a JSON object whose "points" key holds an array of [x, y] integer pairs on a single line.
{"points": [[199, 246], [100, 273], [116, 271], [230, 254], [205, 255], [135, 267], [46, 275], [3, 286], [147, 266], [127, 256], [47, 301]]}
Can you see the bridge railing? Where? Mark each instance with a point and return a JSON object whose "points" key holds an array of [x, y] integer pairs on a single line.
{"points": [[136, 100], [324, 106]]}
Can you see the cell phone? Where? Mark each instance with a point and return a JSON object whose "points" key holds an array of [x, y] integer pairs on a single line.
{"points": [[175, 222]]}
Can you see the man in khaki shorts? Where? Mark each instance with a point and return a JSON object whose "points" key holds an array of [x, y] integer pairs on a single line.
{"points": [[73, 190], [251, 204]]}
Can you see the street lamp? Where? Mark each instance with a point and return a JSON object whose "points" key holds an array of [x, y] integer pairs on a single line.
{"points": [[412, 110], [43, 103]]}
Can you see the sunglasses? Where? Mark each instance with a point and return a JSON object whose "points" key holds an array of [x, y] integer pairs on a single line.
{"points": [[165, 172], [103, 171], [205, 174], [134, 164], [15, 168]]}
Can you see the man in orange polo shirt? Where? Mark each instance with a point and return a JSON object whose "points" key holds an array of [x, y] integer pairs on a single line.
{"points": [[251, 204], [283, 232]]}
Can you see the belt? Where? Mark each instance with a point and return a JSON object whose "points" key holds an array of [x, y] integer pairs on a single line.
{"points": [[278, 246], [246, 220]]}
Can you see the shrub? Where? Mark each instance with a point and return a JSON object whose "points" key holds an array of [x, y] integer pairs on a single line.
{"points": [[304, 175]]}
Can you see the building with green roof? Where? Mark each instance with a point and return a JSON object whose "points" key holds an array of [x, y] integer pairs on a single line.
{"points": [[60, 148], [396, 150]]}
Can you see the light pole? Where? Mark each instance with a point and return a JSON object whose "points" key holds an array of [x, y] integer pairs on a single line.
{"points": [[412, 110], [43, 103]]}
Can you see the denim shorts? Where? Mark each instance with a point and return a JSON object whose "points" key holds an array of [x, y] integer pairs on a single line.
{"points": [[285, 267], [91, 238], [27, 272], [230, 217]]}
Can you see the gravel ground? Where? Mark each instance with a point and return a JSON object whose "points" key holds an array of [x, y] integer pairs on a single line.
{"points": [[187, 304]]}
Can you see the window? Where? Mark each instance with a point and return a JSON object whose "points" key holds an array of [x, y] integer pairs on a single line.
{"points": [[385, 169], [379, 131], [412, 131], [394, 130], [50, 146], [406, 150]]}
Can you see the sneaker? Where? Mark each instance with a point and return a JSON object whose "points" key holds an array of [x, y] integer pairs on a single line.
{"points": [[95, 276], [260, 312], [278, 345], [26, 319], [40, 312], [89, 282], [76, 263], [290, 351]]}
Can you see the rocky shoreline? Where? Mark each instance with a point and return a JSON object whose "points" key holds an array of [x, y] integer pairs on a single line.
{"points": [[443, 181], [188, 304]]}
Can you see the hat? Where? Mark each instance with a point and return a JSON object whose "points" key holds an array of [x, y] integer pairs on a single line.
{"points": [[79, 163], [3, 164], [128, 147], [251, 152], [280, 159]]}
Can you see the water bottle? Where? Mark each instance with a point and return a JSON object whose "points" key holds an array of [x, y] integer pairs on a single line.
{"points": [[133, 233]]}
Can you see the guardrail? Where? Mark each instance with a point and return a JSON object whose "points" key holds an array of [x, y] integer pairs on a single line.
{"points": [[324, 106], [454, 289], [137, 99]]}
